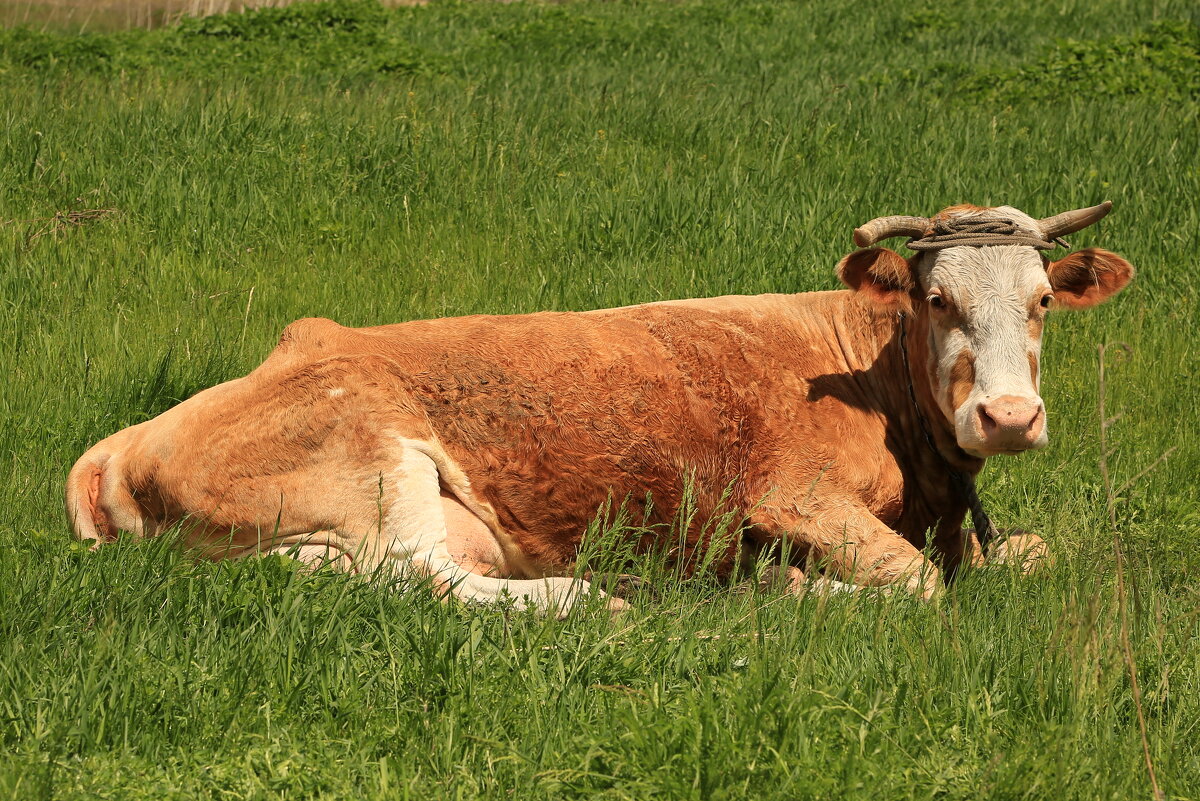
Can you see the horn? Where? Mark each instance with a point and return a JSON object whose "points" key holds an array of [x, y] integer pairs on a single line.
{"points": [[1071, 221], [868, 234]]}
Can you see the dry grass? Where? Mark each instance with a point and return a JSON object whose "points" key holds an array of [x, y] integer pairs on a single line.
{"points": [[109, 15], [59, 222]]}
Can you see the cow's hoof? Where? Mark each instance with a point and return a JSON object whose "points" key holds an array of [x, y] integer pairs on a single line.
{"points": [[927, 586], [616, 606], [916, 575], [1022, 550], [622, 585], [783, 579]]}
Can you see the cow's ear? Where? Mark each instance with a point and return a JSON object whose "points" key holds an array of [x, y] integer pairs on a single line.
{"points": [[1087, 277], [880, 275]]}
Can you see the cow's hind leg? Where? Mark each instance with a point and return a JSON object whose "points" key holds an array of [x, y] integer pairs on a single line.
{"points": [[313, 555], [415, 534]]}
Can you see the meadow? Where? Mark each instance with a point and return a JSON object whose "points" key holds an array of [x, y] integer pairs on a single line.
{"points": [[171, 198]]}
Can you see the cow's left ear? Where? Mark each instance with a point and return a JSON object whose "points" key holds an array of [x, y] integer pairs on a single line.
{"points": [[882, 276], [1087, 277]]}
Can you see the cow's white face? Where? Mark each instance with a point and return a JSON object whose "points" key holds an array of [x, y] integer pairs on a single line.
{"points": [[986, 310], [986, 307]]}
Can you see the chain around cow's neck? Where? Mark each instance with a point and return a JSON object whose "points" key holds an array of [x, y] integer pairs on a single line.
{"points": [[964, 483]]}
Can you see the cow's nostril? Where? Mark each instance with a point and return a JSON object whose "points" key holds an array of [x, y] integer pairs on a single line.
{"points": [[987, 422]]}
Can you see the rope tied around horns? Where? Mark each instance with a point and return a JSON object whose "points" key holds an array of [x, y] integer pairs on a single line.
{"points": [[951, 233]]}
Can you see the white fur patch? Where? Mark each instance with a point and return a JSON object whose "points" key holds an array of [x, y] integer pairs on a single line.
{"points": [[992, 289]]}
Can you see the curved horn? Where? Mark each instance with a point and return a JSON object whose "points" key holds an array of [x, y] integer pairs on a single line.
{"points": [[868, 234], [1071, 221]]}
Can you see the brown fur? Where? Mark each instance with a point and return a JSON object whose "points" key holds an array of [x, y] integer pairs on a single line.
{"points": [[962, 378], [951, 212], [882, 275], [796, 402], [1087, 277]]}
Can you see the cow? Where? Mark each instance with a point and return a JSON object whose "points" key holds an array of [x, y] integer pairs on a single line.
{"points": [[474, 451]]}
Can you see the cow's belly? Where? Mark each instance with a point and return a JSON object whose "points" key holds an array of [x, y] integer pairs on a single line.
{"points": [[547, 462]]}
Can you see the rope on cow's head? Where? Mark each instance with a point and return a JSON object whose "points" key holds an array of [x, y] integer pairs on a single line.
{"points": [[972, 230], [978, 233]]}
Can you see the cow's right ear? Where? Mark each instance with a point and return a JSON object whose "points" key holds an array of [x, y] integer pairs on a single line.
{"points": [[882, 276]]}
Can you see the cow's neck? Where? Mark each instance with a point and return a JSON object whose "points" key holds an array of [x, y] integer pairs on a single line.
{"points": [[914, 342], [920, 437]]}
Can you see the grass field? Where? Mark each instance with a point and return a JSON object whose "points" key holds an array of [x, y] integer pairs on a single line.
{"points": [[172, 198]]}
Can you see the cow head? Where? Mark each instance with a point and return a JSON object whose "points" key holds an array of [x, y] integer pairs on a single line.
{"points": [[981, 281]]}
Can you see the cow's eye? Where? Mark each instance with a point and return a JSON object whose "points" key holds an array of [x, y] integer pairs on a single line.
{"points": [[936, 302], [1047, 299]]}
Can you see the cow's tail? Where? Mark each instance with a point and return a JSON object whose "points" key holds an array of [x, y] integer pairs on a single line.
{"points": [[85, 507]]}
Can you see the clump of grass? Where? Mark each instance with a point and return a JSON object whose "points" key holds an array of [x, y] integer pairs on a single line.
{"points": [[1160, 62], [110, 15], [349, 37], [59, 222]]}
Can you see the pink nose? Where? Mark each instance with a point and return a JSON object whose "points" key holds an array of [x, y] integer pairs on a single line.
{"points": [[1011, 423]]}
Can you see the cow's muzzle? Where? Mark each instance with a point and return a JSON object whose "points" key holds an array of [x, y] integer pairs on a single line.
{"points": [[1010, 424]]}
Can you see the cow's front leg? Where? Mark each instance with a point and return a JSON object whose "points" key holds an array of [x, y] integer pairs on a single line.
{"points": [[955, 548], [958, 548], [851, 541], [790, 580]]}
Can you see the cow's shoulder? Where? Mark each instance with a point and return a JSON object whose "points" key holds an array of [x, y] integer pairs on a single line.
{"points": [[312, 335]]}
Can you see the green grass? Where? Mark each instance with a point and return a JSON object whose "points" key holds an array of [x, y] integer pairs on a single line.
{"points": [[376, 166]]}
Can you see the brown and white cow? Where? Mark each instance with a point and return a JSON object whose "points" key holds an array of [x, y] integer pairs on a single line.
{"points": [[477, 449]]}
